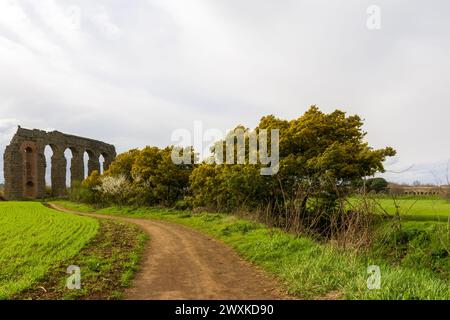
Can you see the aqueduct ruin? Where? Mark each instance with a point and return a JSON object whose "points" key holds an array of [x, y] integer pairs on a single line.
{"points": [[25, 163]]}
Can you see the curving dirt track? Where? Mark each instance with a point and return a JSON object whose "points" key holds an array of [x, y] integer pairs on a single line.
{"points": [[181, 263]]}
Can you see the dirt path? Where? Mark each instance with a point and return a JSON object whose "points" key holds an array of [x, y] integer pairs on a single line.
{"points": [[181, 263]]}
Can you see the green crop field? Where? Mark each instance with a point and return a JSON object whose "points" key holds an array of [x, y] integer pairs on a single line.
{"points": [[431, 208], [34, 238]]}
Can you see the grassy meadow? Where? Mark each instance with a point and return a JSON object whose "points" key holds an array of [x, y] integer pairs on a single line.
{"points": [[38, 244], [33, 239], [414, 259], [414, 208]]}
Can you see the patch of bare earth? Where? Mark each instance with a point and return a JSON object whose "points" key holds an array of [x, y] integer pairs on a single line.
{"points": [[334, 295]]}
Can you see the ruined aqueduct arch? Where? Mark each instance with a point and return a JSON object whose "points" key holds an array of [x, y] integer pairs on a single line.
{"points": [[24, 161]]}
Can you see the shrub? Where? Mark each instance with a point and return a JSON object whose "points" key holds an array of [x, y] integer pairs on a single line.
{"points": [[81, 193], [182, 205], [139, 177], [114, 189]]}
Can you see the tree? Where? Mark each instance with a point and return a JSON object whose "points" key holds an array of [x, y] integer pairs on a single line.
{"points": [[323, 156], [171, 181], [329, 152], [377, 185], [323, 153], [123, 164]]}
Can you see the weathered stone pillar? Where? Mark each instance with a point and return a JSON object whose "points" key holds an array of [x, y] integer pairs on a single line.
{"points": [[41, 166], [93, 163], [13, 170], [77, 166], [107, 161], [59, 164]]}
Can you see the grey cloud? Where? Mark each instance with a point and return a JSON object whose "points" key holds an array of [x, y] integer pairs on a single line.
{"points": [[135, 71]]}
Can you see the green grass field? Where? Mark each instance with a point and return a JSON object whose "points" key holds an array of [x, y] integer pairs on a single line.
{"points": [[414, 261], [34, 238], [38, 244], [414, 208]]}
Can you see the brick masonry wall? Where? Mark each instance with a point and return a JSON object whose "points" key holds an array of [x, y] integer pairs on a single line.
{"points": [[25, 171]]}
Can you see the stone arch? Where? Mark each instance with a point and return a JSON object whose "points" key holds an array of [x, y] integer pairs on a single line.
{"points": [[25, 161], [94, 161], [108, 158], [58, 171], [76, 165]]}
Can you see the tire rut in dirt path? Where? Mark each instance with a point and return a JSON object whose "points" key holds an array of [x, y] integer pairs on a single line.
{"points": [[181, 263]]}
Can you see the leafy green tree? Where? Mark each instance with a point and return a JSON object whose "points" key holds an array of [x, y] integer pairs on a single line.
{"points": [[321, 153], [123, 164], [377, 185], [92, 181], [204, 183], [327, 151], [170, 182]]}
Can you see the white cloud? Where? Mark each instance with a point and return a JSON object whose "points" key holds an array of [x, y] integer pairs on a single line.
{"points": [[7, 129], [132, 72], [61, 20], [7, 124], [104, 23]]}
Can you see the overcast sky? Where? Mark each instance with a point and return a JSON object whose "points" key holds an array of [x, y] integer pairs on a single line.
{"points": [[131, 72]]}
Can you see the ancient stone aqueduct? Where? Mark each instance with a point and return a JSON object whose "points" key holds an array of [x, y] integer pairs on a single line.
{"points": [[420, 190], [25, 164]]}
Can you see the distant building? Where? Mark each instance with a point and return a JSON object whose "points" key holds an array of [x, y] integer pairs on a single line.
{"points": [[419, 190]]}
